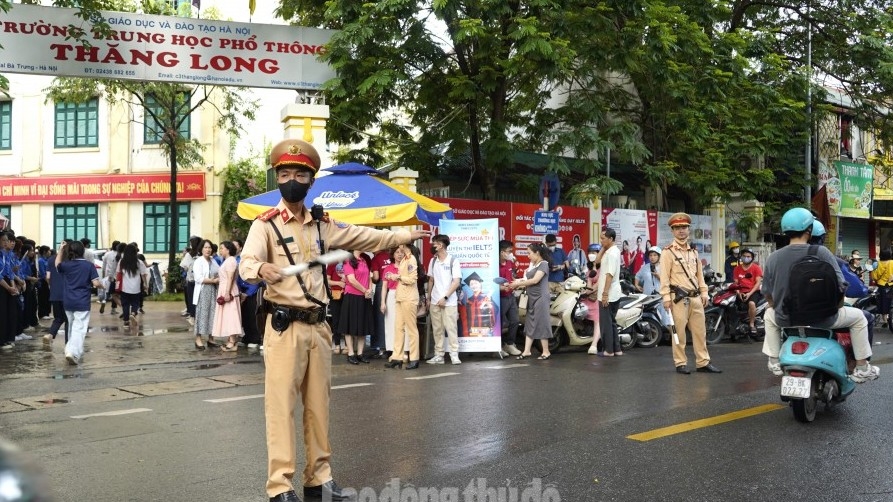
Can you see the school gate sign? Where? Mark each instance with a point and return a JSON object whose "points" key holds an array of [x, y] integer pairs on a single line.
{"points": [[163, 49]]}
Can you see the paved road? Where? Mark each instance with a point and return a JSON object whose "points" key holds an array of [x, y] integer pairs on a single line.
{"points": [[147, 418]]}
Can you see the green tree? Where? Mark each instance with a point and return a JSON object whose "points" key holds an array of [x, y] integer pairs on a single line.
{"points": [[166, 107], [241, 179]]}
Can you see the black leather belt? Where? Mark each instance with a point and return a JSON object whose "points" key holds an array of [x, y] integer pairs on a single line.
{"points": [[314, 315]]}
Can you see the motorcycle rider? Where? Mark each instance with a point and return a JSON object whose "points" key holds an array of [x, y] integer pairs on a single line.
{"points": [[732, 259], [883, 277], [749, 277], [797, 224], [855, 287]]}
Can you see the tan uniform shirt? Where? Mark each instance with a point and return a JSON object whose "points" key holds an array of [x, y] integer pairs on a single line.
{"points": [[301, 236], [407, 290], [677, 264]]}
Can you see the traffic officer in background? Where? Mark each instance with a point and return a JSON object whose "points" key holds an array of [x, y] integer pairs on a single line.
{"points": [[685, 295], [297, 340]]}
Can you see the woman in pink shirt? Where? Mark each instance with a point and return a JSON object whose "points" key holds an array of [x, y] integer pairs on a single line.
{"points": [[356, 306], [388, 299]]}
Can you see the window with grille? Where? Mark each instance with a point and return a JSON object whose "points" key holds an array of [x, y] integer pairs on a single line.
{"points": [[157, 226], [77, 124], [5, 125], [153, 130], [75, 221]]}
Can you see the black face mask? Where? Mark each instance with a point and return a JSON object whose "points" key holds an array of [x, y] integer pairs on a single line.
{"points": [[433, 250], [292, 191]]}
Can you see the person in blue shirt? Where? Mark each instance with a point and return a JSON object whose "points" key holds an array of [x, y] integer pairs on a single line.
{"points": [[9, 302], [57, 288], [28, 272], [558, 270], [43, 287], [79, 275], [248, 297]]}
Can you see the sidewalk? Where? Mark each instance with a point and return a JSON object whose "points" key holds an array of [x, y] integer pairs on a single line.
{"points": [[163, 336]]}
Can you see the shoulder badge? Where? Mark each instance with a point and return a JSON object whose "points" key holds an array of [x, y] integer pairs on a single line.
{"points": [[268, 214], [340, 224]]}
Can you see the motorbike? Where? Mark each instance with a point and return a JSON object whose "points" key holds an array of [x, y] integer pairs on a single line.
{"points": [[568, 316], [869, 303], [726, 315], [638, 318], [815, 364]]}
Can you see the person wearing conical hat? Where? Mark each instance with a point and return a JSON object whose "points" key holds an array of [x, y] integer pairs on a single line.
{"points": [[298, 341]]}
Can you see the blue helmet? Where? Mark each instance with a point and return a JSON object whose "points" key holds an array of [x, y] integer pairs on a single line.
{"points": [[797, 219], [594, 248], [818, 229]]}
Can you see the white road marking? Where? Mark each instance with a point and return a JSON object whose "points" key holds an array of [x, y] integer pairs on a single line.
{"points": [[507, 366], [257, 396], [228, 399], [351, 385], [432, 376], [114, 413]]}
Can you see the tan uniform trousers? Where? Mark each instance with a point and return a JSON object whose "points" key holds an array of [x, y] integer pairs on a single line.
{"points": [[444, 319], [689, 313], [406, 326], [299, 361]]}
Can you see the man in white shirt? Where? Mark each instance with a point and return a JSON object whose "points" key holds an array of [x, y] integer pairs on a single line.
{"points": [[609, 293], [109, 264], [444, 279]]}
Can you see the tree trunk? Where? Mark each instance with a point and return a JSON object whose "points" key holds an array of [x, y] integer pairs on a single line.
{"points": [[175, 220]]}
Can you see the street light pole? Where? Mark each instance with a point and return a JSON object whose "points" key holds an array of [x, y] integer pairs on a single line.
{"points": [[809, 102]]}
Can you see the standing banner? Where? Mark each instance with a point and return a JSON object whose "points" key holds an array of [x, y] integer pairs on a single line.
{"points": [[475, 243], [850, 192], [516, 223], [631, 225]]}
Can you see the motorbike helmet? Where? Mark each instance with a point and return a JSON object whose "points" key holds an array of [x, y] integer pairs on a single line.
{"points": [[734, 244], [818, 229], [654, 249], [797, 220], [748, 251], [594, 248]]}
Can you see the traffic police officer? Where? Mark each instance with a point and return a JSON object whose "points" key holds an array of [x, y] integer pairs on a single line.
{"points": [[685, 295], [297, 340]]}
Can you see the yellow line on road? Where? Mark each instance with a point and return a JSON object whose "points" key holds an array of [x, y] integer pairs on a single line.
{"points": [[704, 422]]}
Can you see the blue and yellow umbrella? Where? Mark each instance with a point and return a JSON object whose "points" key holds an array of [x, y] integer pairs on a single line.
{"points": [[354, 193]]}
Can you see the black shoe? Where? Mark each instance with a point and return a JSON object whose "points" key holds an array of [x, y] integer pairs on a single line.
{"points": [[362, 359], [393, 364], [353, 360], [142, 311], [326, 491], [378, 354], [684, 370], [289, 496], [709, 369], [102, 309], [413, 365]]}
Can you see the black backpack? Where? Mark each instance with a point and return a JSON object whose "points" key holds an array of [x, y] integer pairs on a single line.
{"points": [[813, 291]]}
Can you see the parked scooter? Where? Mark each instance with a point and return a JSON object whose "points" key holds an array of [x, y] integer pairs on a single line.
{"points": [[815, 362], [568, 316], [726, 315]]}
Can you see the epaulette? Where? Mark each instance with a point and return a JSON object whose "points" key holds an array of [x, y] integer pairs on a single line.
{"points": [[325, 217], [268, 214]]}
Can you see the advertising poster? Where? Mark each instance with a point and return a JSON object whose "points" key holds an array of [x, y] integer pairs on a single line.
{"points": [[475, 244], [516, 223], [633, 226], [700, 234], [850, 192]]}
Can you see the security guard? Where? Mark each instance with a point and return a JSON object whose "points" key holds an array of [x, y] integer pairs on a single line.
{"points": [[685, 295], [297, 340]]}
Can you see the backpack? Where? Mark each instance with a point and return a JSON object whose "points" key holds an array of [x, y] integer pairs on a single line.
{"points": [[461, 296], [813, 292]]}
